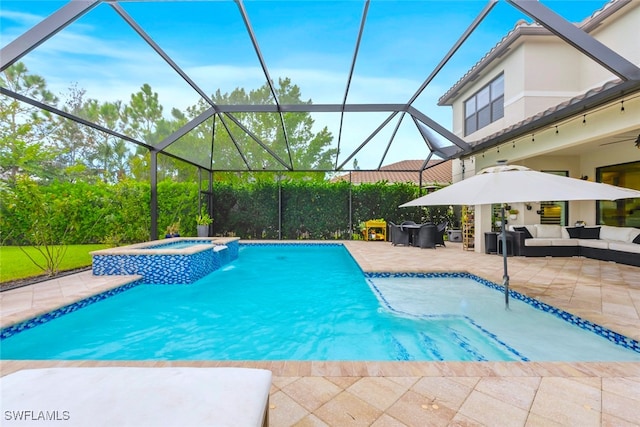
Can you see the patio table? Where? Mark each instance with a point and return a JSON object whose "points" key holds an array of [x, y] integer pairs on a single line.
{"points": [[414, 229]]}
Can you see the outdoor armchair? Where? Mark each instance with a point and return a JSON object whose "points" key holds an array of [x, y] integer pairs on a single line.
{"points": [[392, 227], [399, 235], [427, 236], [440, 230]]}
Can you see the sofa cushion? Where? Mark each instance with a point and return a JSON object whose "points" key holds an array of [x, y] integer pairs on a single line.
{"points": [[624, 247], [525, 230], [574, 232], [547, 231], [590, 233], [538, 242], [594, 243], [618, 234]]}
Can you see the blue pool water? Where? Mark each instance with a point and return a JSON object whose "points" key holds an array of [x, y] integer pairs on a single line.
{"points": [[309, 302], [180, 244]]}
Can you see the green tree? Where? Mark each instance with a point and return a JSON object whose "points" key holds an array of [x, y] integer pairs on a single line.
{"points": [[111, 155], [74, 141], [142, 115], [143, 119], [307, 150], [39, 221], [24, 130]]}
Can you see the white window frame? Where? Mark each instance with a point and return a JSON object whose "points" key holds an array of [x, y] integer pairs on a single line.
{"points": [[478, 116]]}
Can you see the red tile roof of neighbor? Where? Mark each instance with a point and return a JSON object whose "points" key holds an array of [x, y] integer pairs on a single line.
{"points": [[438, 173]]}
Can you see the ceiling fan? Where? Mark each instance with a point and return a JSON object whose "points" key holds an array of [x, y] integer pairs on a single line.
{"points": [[636, 141]]}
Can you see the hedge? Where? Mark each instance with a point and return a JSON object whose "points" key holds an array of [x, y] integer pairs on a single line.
{"points": [[80, 213]]}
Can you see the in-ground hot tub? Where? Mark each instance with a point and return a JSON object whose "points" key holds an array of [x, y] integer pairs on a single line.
{"points": [[170, 261]]}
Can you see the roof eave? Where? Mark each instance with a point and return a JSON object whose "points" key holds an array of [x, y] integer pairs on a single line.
{"points": [[549, 118], [506, 44], [522, 29]]}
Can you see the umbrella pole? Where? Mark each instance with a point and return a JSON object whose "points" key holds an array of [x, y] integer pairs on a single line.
{"points": [[505, 277]]}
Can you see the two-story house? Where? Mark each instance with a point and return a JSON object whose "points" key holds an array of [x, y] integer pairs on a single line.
{"points": [[532, 73]]}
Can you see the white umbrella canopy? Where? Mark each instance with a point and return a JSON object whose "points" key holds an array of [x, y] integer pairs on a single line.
{"points": [[512, 184]]}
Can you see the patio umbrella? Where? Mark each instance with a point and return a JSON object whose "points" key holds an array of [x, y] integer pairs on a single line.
{"points": [[511, 184]]}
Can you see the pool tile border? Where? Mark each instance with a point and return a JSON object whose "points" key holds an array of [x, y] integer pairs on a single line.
{"points": [[578, 321], [10, 331]]}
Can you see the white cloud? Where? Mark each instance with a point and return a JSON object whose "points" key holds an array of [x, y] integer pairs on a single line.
{"points": [[111, 67]]}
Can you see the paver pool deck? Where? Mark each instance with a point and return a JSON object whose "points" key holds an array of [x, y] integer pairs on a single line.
{"points": [[428, 393]]}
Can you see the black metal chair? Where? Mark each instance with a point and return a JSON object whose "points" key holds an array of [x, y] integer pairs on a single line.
{"points": [[391, 226], [440, 230], [399, 236], [427, 236]]}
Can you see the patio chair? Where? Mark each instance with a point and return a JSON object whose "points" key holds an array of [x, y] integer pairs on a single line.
{"points": [[440, 229], [427, 236], [391, 227], [399, 235]]}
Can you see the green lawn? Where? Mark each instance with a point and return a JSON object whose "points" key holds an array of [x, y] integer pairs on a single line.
{"points": [[14, 264]]}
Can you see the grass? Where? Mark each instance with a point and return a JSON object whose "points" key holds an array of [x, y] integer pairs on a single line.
{"points": [[15, 265]]}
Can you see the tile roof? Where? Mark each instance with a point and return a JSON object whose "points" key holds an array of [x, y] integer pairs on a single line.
{"points": [[522, 28], [438, 172]]}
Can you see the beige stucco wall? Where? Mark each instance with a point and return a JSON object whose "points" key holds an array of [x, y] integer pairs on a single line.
{"points": [[623, 36], [541, 72]]}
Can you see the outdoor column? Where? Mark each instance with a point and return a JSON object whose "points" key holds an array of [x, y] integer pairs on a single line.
{"points": [[483, 224], [154, 194]]}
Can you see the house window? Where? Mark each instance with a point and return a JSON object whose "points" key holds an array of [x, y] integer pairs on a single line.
{"points": [[485, 106], [624, 212], [554, 212]]}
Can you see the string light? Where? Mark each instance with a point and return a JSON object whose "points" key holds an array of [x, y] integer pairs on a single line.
{"points": [[514, 145], [498, 149], [622, 106], [533, 137], [557, 131], [584, 120]]}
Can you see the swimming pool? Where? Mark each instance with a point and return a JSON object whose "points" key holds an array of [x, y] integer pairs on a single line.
{"points": [[327, 309]]}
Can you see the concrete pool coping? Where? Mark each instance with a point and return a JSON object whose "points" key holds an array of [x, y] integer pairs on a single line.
{"points": [[434, 393], [149, 248]]}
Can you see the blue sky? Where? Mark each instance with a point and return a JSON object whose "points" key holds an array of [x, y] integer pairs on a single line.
{"points": [[312, 42]]}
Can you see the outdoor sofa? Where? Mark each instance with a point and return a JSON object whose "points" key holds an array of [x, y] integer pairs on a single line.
{"points": [[603, 242]]}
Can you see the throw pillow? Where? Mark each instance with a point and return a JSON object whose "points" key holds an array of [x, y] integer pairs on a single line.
{"points": [[590, 233], [525, 230], [574, 232], [637, 239]]}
